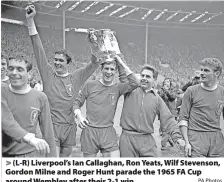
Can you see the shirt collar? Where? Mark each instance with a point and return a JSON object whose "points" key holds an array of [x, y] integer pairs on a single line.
{"points": [[209, 89], [150, 91], [25, 91], [101, 81], [62, 75]]}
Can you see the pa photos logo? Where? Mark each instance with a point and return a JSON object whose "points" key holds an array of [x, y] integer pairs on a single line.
{"points": [[113, 98], [69, 89], [34, 116]]}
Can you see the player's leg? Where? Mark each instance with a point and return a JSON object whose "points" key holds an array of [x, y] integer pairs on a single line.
{"points": [[57, 131], [68, 138], [217, 145], [65, 151], [199, 143], [147, 146], [127, 146], [89, 142], [58, 149], [112, 154], [108, 142], [89, 155]]}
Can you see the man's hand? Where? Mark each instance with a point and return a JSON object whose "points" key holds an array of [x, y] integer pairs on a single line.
{"points": [[94, 46], [119, 60], [30, 11], [98, 58], [81, 121], [40, 144], [181, 143], [122, 65], [187, 150]]}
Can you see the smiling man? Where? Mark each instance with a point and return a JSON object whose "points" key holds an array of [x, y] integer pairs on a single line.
{"points": [[200, 113], [11, 130], [101, 98], [4, 63], [60, 86], [138, 115], [29, 108]]}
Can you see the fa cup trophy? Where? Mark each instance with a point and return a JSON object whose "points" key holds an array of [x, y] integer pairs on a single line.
{"points": [[104, 40]]}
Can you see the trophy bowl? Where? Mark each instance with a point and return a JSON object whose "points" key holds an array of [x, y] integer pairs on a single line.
{"points": [[104, 40]]}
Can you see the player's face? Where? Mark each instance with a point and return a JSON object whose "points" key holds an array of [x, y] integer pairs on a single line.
{"points": [[207, 75], [60, 64], [3, 67], [108, 72], [147, 79], [18, 75]]}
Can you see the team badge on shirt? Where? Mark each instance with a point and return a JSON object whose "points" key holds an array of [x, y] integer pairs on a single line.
{"points": [[69, 89], [113, 98], [34, 116]]}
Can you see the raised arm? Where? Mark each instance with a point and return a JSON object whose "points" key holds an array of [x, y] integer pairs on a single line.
{"points": [[84, 73], [96, 59], [129, 80], [42, 63]]}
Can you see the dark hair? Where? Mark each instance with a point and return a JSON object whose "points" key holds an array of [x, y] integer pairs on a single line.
{"points": [[67, 54], [109, 62], [214, 63], [20, 59], [150, 68]]}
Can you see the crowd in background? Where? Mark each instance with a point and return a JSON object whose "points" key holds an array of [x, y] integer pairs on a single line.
{"points": [[178, 63]]}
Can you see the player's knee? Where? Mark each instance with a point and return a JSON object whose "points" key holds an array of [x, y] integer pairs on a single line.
{"points": [[89, 155], [65, 151], [115, 153]]}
